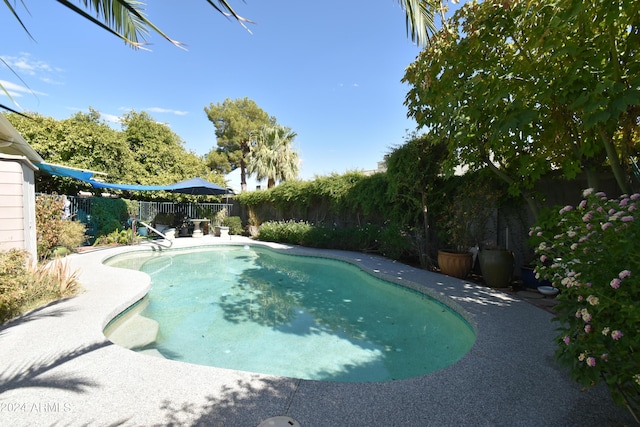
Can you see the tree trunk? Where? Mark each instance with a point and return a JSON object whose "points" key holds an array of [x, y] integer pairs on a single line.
{"points": [[427, 263], [614, 161], [243, 176]]}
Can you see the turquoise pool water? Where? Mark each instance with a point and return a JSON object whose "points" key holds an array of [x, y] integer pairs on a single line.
{"points": [[257, 310]]}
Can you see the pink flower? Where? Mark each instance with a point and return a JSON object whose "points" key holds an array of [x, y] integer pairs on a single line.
{"points": [[566, 339], [587, 328], [604, 356], [565, 209], [587, 192], [587, 217], [635, 196], [601, 194], [616, 335], [582, 204], [606, 225], [624, 273], [624, 202], [543, 258], [615, 283], [627, 218], [591, 361]]}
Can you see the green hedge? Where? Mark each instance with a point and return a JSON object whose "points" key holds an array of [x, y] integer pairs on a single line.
{"points": [[389, 241]]}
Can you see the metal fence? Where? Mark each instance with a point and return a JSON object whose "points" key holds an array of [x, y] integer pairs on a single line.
{"points": [[80, 209]]}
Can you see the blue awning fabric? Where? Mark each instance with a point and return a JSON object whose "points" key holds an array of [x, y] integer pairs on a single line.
{"points": [[194, 186], [59, 170]]}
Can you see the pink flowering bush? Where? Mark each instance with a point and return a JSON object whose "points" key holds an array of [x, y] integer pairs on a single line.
{"points": [[591, 252]]}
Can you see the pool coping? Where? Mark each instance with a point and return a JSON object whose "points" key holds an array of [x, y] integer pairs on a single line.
{"points": [[58, 368]]}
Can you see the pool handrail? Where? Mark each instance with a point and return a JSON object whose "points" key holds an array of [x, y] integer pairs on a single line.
{"points": [[161, 234]]}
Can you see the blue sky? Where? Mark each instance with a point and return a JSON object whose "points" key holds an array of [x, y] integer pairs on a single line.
{"points": [[329, 70]]}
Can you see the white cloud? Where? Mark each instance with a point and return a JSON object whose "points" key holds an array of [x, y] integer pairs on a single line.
{"points": [[167, 110], [16, 90], [26, 64], [110, 118]]}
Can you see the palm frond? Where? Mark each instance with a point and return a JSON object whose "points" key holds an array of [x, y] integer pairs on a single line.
{"points": [[420, 18], [15, 15]]}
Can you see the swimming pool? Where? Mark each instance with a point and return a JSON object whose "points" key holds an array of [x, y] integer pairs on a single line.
{"points": [[257, 310]]}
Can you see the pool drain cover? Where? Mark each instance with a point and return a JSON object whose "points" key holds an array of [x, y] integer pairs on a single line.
{"points": [[280, 421]]}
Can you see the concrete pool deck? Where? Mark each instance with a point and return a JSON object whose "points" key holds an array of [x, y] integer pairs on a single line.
{"points": [[57, 368]]}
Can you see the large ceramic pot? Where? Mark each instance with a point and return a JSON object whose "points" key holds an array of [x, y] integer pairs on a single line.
{"points": [[455, 264], [496, 266], [529, 278]]}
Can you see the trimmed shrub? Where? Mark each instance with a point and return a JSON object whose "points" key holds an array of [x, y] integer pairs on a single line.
{"points": [[389, 241], [234, 223], [108, 215], [49, 224]]}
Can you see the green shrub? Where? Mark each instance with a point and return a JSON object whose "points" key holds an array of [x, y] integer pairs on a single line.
{"points": [[72, 235], [389, 241], [23, 287], [235, 225], [285, 231], [117, 237], [49, 224], [108, 215]]}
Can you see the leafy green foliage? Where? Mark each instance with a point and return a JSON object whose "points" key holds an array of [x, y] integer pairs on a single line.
{"points": [[524, 87], [591, 253], [49, 224], [52, 231], [108, 215], [116, 237], [388, 241], [235, 225], [73, 235], [237, 124], [143, 152]]}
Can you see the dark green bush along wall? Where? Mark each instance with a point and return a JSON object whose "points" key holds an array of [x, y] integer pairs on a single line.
{"points": [[109, 215], [374, 214]]}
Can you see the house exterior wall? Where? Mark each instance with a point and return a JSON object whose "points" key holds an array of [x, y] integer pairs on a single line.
{"points": [[17, 206]]}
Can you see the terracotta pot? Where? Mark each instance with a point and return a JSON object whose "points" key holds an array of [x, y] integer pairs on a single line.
{"points": [[496, 266], [455, 264]]}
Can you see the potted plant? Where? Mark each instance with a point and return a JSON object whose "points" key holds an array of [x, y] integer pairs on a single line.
{"points": [[220, 230], [463, 225], [455, 259]]}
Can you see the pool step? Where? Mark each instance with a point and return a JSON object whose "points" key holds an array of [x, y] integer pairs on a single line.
{"points": [[135, 332]]}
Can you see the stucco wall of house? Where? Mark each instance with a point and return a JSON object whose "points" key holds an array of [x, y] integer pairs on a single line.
{"points": [[17, 206]]}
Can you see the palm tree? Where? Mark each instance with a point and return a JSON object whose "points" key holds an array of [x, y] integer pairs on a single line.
{"points": [[272, 156]]}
